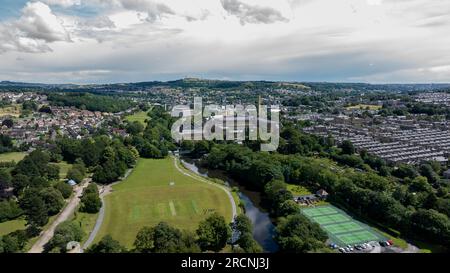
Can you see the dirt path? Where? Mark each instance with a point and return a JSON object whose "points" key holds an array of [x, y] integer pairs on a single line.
{"points": [[64, 215], [226, 190]]}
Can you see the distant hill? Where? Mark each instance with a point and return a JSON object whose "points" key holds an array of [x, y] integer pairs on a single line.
{"points": [[225, 84]]}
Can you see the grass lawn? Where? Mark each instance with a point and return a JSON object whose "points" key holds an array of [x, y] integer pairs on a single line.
{"points": [[147, 197], [16, 156], [298, 190], [13, 110], [139, 116], [87, 222], [364, 107], [64, 168], [11, 226]]}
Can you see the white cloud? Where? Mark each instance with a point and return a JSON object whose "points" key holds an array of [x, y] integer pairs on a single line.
{"points": [[38, 22], [36, 27], [62, 3], [253, 14], [133, 40]]}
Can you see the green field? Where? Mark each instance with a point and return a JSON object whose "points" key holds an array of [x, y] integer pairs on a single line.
{"points": [[298, 190], [64, 168], [7, 157], [364, 107], [139, 116], [147, 197], [341, 228], [11, 226], [86, 221], [12, 110]]}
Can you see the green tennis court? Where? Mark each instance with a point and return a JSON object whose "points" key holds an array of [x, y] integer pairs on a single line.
{"points": [[342, 229], [330, 219], [357, 237], [319, 211]]}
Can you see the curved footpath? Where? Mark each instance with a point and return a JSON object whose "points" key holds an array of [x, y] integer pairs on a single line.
{"points": [[105, 190], [108, 189], [225, 189]]}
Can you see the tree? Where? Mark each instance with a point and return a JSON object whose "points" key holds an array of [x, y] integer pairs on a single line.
{"points": [[19, 183], [428, 171], [53, 172], [347, 147], [243, 226], [8, 123], [53, 199], [45, 109], [431, 225], [64, 233], [164, 239], [213, 233], [75, 175], [298, 234], [201, 147], [5, 180], [405, 171], [144, 240], [107, 245], [150, 151], [91, 202], [9, 209], [65, 189], [288, 207], [135, 128], [9, 244], [34, 208]]}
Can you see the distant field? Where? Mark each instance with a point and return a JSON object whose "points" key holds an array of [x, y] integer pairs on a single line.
{"points": [[147, 197], [11, 226], [364, 107], [139, 116], [13, 110], [12, 156], [64, 168]]}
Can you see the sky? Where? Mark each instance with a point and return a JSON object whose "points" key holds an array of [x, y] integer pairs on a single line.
{"points": [[110, 41]]}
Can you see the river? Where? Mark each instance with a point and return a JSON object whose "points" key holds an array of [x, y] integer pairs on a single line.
{"points": [[263, 228]]}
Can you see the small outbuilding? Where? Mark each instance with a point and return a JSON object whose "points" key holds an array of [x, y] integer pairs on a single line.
{"points": [[72, 182], [322, 194]]}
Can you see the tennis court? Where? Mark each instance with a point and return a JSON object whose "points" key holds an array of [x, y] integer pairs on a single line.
{"points": [[342, 229], [357, 237], [330, 219]]}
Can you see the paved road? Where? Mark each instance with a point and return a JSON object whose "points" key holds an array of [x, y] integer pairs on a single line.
{"points": [[225, 189], [105, 190], [64, 215]]}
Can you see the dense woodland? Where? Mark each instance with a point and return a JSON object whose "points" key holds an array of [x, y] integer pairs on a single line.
{"points": [[413, 202], [407, 201], [91, 102]]}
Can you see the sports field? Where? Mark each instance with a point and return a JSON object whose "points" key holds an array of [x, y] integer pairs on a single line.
{"points": [[155, 191], [15, 156], [341, 228], [139, 116]]}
